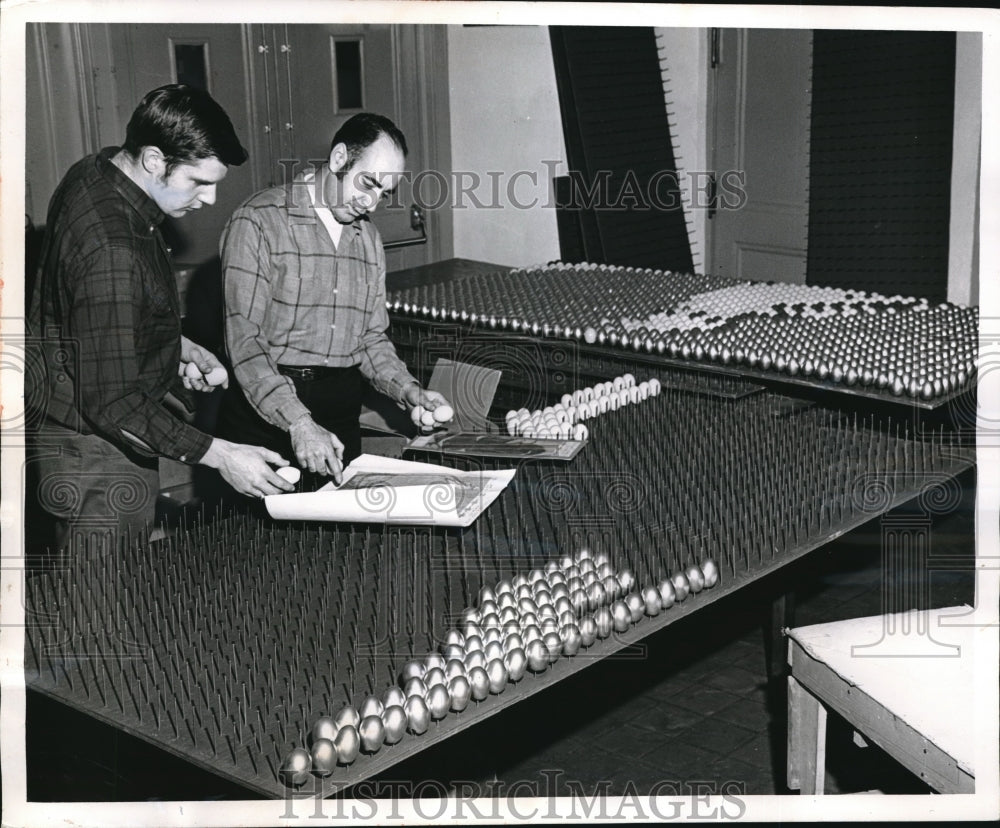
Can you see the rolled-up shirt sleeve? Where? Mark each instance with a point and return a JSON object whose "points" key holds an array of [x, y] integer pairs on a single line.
{"points": [[380, 363], [101, 326], [246, 269]]}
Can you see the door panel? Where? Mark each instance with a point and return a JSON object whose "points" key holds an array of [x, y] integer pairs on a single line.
{"points": [[310, 104], [761, 132]]}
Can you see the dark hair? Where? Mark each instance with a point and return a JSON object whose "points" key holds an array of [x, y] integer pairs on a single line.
{"points": [[360, 131], [185, 124]]}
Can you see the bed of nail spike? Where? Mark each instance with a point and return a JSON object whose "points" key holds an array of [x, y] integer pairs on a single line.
{"points": [[305, 658]]}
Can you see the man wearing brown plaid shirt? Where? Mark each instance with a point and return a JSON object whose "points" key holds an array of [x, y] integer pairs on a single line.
{"points": [[304, 273], [106, 317]]}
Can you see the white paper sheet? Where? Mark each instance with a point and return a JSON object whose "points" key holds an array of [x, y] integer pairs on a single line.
{"points": [[385, 490]]}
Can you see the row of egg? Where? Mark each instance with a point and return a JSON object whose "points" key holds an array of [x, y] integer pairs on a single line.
{"points": [[519, 625], [564, 419], [657, 311]]}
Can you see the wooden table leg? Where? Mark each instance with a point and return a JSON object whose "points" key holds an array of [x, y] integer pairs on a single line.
{"points": [[806, 740], [781, 615]]}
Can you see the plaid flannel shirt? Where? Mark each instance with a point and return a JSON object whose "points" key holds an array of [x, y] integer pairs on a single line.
{"points": [[293, 298], [106, 315]]}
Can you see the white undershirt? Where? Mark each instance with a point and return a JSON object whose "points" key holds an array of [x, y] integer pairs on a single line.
{"points": [[333, 227]]}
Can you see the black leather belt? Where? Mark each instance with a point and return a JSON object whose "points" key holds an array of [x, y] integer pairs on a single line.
{"points": [[310, 373]]}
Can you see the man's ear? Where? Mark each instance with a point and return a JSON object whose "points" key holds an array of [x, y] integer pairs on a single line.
{"points": [[153, 161], [338, 157]]}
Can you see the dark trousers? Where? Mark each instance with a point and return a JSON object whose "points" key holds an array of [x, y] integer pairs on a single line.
{"points": [[87, 493], [333, 397]]}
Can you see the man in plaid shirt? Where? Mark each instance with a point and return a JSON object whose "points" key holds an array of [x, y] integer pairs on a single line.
{"points": [[106, 316], [304, 273]]}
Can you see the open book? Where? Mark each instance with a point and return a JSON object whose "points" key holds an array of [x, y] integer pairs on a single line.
{"points": [[384, 490]]}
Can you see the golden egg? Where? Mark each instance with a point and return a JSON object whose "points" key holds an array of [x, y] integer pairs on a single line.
{"points": [[604, 622], [621, 616], [516, 662], [438, 701], [588, 631], [295, 768], [695, 578], [538, 655], [480, 683], [418, 715], [394, 723], [460, 692], [348, 743], [324, 728], [681, 586], [324, 757], [372, 733], [347, 716]]}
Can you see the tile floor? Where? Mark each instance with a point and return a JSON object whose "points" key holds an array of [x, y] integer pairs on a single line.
{"points": [[697, 706]]}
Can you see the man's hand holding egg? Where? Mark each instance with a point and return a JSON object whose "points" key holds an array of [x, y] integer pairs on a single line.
{"points": [[200, 369], [428, 409]]}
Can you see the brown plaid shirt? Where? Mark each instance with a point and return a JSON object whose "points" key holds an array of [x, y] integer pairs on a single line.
{"points": [[106, 315], [292, 298]]}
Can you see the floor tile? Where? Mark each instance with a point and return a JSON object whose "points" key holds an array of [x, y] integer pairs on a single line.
{"points": [[717, 735]]}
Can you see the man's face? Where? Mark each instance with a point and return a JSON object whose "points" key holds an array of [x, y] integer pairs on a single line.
{"points": [[374, 175], [188, 186]]}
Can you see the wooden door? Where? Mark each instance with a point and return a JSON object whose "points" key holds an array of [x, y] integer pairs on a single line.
{"points": [[760, 154], [310, 79]]}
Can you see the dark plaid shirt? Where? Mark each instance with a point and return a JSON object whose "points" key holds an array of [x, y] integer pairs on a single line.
{"points": [[108, 315], [293, 298]]}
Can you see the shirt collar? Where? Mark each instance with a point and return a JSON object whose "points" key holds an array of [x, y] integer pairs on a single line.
{"points": [[303, 192], [127, 188]]}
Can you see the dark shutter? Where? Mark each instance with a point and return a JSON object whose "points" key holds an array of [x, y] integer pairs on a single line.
{"points": [[620, 203], [880, 161]]}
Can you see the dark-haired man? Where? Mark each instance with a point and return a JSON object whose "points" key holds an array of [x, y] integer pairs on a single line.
{"points": [[106, 315], [304, 273]]}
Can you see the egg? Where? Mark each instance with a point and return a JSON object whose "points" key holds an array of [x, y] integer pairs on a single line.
{"points": [[394, 722], [372, 733], [324, 728], [571, 639], [460, 692], [626, 579], [516, 662], [652, 603], [324, 757], [434, 676], [497, 674], [681, 586], [455, 667], [621, 617], [347, 716], [513, 642], [371, 706], [434, 660], [438, 701], [295, 768], [604, 622], [480, 683], [418, 715], [477, 658], [538, 655], [553, 644], [427, 418], [289, 473], [217, 376], [192, 371], [415, 687], [588, 631], [443, 413], [348, 743], [710, 571], [696, 579], [417, 414]]}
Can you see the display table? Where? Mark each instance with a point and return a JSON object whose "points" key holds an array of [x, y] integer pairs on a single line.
{"points": [[903, 681]]}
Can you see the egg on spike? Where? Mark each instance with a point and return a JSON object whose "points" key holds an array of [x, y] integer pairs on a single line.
{"points": [[372, 733], [480, 683], [710, 572], [394, 722], [347, 716], [460, 691], [295, 769], [418, 715], [323, 728], [681, 586], [438, 700], [348, 744], [696, 580], [516, 662], [324, 757]]}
